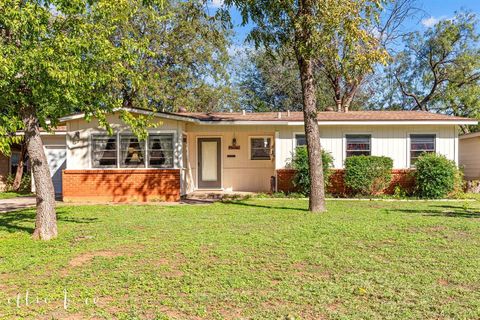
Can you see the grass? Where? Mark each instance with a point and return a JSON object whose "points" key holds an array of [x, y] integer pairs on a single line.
{"points": [[259, 259], [10, 195]]}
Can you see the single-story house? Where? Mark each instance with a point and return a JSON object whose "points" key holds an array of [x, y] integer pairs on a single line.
{"points": [[469, 155], [230, 151]]}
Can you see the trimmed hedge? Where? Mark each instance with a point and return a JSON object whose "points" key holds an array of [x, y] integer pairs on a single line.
{"points": [[299, 162], [367, 175], [435, 176]]}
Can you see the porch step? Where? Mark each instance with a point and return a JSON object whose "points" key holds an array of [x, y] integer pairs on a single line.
{"points": [[216, 195]]}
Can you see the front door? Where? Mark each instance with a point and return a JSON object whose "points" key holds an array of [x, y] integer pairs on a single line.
{"points": [[209, 162]]}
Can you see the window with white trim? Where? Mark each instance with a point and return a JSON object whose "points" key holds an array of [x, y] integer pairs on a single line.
{"points": [[104, 151], [260, 148], [160, 151], [358, 145], [125, 150], [132, 151], [419, 144], [300, 140]]}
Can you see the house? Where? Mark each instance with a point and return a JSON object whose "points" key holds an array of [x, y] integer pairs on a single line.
{"points": [[230, 151], [469, 155]]}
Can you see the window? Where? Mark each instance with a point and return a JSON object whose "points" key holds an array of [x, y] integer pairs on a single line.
{"points": [[104, 151], [132, 152], [160, 151], [358, 145], [300, 140], [14, 161], [420, 143], [156, 152], [260, 148]]}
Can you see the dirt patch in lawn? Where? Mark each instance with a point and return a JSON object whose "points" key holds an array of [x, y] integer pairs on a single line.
{"points": [[87, 257], [84, 258]]}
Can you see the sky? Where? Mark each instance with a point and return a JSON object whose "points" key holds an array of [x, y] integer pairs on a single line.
{"points": [[432, 12]]}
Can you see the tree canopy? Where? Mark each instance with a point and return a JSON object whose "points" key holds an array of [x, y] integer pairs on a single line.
{"points": [[438, 70]]}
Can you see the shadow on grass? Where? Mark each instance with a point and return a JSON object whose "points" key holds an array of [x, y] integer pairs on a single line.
{"points": [[450, 211], [17, 220], [246, 204]]}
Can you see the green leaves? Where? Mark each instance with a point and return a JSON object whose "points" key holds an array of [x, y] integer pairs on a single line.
{"points": [[301, 166], [98, 55], [367, 175], [337, 35], [439, 70], [435, 176]]}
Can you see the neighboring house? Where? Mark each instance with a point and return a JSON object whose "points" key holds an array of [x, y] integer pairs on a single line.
{"points": [[233, 152], [469, 155]]}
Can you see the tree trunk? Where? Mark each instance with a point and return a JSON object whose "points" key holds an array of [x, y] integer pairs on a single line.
{"points": [[21, 163], [312, 133], [46, 219]]}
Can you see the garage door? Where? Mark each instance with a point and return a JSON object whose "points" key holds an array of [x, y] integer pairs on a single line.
{"points": [[57, 161]]}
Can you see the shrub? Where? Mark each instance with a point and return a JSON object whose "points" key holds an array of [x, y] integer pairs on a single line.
{"points": [[25, 184], [367, 175], [435, 176], [299, 162]]}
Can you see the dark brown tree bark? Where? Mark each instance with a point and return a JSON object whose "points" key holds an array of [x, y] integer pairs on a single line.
{"points": [[312, 132], [21, 164], [46, 219]]}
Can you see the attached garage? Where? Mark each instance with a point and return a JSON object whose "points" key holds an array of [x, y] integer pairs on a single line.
{"points": [[56, 153], [57, 161]]}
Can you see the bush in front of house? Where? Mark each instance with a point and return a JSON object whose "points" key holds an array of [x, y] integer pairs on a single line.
{"points": [[25, 184], [436, 176], [367, 175], [299, 162]]}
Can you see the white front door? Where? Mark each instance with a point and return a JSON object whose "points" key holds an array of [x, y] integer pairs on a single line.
{"points": [[209, 163]]}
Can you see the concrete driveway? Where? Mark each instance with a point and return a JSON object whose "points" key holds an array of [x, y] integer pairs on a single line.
{"points": [[7, 205]]}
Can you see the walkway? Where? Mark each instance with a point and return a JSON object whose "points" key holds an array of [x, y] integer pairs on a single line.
{"points": [[13, 204]]}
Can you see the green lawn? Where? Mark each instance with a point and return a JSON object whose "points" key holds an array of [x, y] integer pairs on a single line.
{"points": [[260, 259], [10, 195]]}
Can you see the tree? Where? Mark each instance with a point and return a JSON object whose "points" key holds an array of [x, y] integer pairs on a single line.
{"points": [[439, 69], [271, 82], [17, 182], [313, 29], [94, 56], [185, 65]]}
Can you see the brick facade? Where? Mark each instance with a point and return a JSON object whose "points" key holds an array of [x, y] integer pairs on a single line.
{"points": [[4, 170], [121, 185], [336, 185]]}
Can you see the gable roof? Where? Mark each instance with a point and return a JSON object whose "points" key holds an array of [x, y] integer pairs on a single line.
{"points": [[296, 118]]}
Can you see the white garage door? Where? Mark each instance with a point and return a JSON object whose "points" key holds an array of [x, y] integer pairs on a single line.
{"points": [[57, 161]]}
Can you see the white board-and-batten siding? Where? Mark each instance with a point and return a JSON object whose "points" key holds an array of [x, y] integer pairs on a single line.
{"points": [[391, 141]]}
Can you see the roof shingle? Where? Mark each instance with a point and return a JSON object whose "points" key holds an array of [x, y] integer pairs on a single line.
{"points": [[324, 116]]}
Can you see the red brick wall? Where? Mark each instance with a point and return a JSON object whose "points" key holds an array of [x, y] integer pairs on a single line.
{"points": [[121, 185], [4, 170], [285, 180], [336, 186]]}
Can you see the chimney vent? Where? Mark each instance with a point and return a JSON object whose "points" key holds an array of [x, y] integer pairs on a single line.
{"points": [[279, 115], [345, 109], [288, 113], [243, 112]]}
